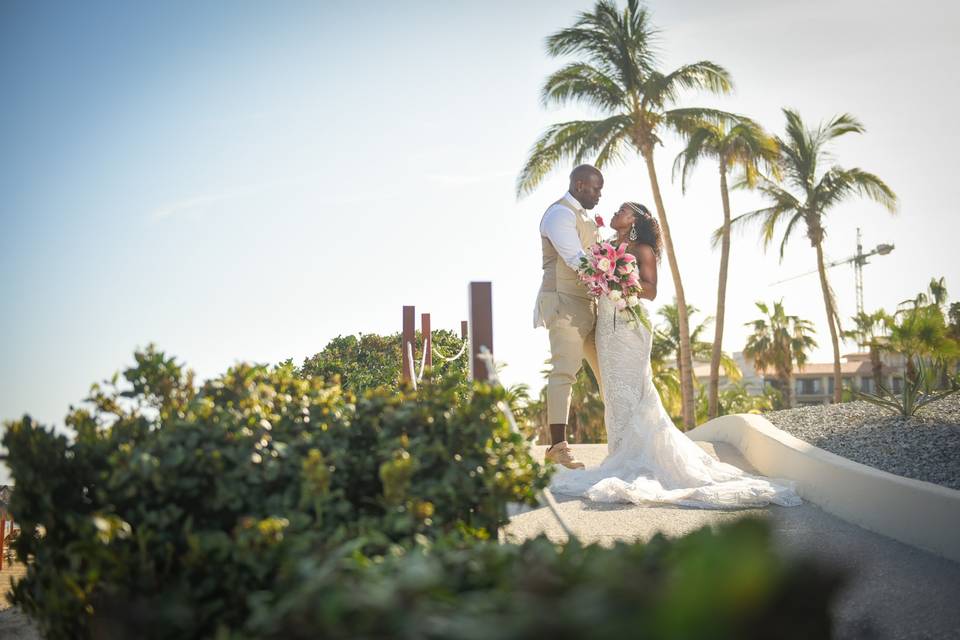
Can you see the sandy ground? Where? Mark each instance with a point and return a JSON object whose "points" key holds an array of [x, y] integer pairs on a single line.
{"points": [[13, 624], [896, 591]]}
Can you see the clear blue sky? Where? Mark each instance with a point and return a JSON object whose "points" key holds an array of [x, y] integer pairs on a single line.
{"points": [[246, 180]]}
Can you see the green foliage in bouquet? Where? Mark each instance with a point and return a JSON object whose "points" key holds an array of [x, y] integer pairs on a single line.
{"points": [[724, 584], [370, 361], [180, 507]]}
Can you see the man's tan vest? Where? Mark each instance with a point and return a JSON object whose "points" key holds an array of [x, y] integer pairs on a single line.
{"points": [[557, 276]]}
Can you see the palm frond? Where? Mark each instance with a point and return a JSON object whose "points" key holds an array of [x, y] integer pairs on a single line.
{"points": [[585, 83], [783, 203], [702, 141], [787, 232], [612, 151], [730, 367], [619, 44], [566, 141], [838, 183], [664, 89], [839, 125]]}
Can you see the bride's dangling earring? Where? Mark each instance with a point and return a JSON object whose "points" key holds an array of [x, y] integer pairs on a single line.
{"points": [[633, 233]]}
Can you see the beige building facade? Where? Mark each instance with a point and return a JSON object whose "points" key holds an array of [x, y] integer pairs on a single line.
{"points": [[814, 383]]}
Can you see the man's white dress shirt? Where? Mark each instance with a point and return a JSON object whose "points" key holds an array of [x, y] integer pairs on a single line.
{"points": [[559, 226]]}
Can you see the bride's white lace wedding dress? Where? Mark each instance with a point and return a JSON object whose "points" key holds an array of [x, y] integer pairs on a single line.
{"points": [[649, 460]]}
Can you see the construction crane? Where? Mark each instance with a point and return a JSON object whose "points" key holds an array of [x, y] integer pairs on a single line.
{"points": [[858, 261]]}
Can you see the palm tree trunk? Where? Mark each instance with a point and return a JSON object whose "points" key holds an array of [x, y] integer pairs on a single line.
{"points": [[791, 391], [713, 403], [831, 315], [684, 359], [876, 365]]}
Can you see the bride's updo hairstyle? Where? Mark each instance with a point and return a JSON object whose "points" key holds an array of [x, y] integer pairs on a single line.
{"points": [[645, 228]]}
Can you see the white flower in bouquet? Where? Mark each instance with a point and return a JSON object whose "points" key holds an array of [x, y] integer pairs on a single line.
{"points": [[612, 271]]}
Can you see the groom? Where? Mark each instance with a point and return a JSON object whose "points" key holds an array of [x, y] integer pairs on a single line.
{"points": [[563, 305]]}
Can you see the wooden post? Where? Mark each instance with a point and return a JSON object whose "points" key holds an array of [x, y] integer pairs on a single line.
{"points": [[409, 338], [481, 327], [427, 338], [463, 329], [3, 533]]}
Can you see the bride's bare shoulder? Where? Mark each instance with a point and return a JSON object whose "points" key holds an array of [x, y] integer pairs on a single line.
{"points": [[642, 251]]}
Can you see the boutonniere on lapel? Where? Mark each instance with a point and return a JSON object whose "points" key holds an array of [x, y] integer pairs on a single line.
{"points": [[598, 220]]}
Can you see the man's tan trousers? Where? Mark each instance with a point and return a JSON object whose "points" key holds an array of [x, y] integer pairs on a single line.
{"points": [[570, 321]]}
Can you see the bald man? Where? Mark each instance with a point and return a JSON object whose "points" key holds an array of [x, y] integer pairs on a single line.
{"points": [[563, 305]]}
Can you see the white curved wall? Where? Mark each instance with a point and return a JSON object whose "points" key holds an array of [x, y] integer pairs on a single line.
{"points": [[918, 513]]}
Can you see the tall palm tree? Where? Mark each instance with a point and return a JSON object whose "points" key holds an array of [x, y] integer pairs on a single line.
{"points": [[701, 350], [809, 193], [779, 342], [735, 144], [617, 74]]}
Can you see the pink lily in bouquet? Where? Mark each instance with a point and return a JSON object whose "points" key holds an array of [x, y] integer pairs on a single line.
{"points": [[612, 272]]}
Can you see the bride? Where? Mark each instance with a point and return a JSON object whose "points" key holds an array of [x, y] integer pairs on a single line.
{"points": [[649, 460]]}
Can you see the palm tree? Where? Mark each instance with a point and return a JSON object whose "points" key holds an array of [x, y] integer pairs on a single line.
{"points": [[954, 323], [870, 330], [935, 295], [922, 332], [670, 339], [809, 194], [666, 378], [735, 144], [921, 329], [779, 342], [618, 76]]}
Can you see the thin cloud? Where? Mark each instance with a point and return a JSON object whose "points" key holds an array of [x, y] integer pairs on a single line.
{"points": [[192, 204], [204, 201]]}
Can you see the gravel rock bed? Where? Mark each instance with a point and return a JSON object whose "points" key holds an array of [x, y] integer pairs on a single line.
{"points": [[925, 447]]}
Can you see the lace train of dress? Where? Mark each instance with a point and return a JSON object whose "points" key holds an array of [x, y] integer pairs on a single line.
{"points": [[649, 460]]}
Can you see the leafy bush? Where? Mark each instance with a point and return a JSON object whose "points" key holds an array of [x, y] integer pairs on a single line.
{"points": [[371, 361], [724, 584], [737, 398], [269, 505], [179, 507]]}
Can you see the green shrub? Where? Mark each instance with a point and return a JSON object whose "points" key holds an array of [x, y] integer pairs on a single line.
{"points": [[269, 504], [371, 361], [707, 585], [181, 505], [916, 393]]}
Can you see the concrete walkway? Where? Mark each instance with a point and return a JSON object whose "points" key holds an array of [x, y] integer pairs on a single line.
{"points": [[895, 591]]}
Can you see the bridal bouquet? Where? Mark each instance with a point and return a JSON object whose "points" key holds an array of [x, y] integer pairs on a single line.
{"points": [[611, 271]]}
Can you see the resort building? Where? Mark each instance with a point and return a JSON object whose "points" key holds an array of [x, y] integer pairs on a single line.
{"points": [[814, 383]]}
